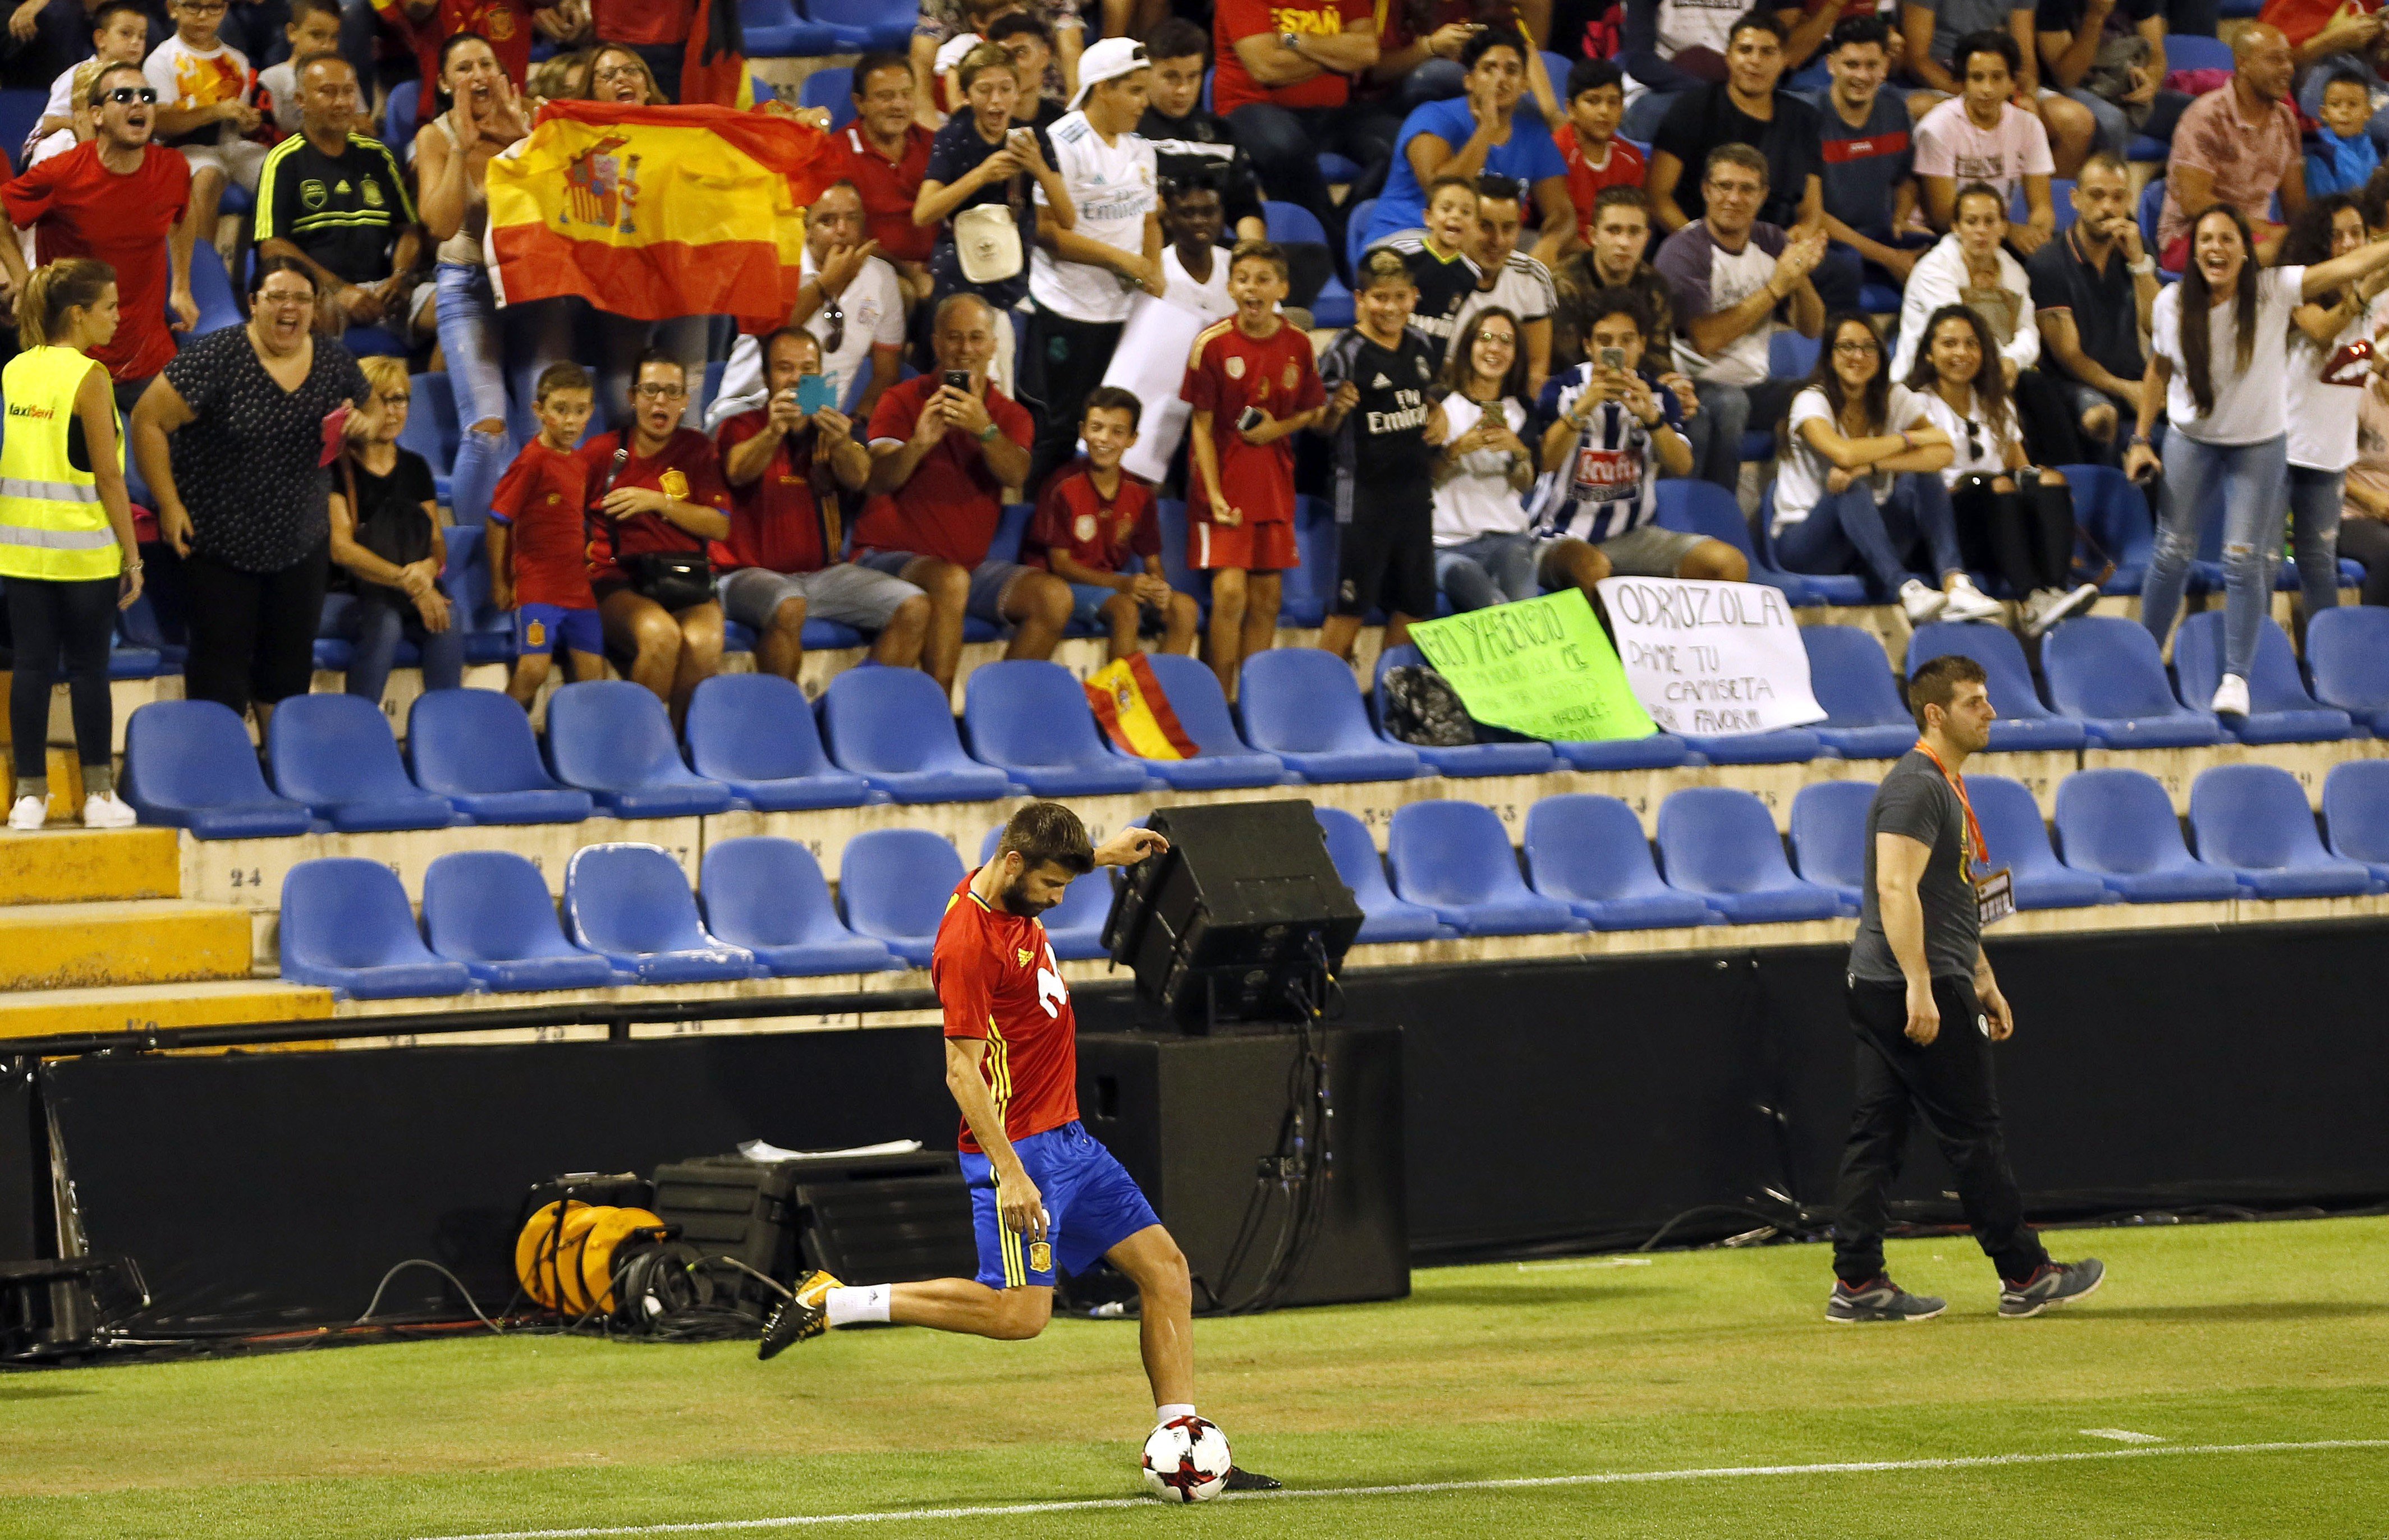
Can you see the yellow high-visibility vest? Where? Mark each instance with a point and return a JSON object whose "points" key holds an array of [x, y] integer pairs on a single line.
{"points": [[52, 525]]}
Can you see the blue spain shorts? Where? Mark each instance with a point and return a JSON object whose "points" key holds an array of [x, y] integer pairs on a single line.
{"points": [[1092, 1204], [541, 628]]}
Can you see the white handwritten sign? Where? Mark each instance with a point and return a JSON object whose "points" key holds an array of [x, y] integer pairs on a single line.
{"points": [[1711, 659]]}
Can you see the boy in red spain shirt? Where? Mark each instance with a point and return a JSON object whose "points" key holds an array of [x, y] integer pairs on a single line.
{"points": [[539, 561], [1092, 518], [1253, 385], [1043, 1191]]}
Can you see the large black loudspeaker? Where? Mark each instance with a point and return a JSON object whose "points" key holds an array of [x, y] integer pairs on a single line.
{"points": [[1201, 1124], [1238, 922]]}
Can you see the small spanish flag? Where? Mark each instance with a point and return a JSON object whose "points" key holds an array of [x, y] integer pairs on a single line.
{"points": [[653, 213], [1130, 703]]}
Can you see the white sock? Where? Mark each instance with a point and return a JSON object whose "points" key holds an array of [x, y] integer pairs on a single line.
{"points": [[856, 1306], [1176, 1408]]}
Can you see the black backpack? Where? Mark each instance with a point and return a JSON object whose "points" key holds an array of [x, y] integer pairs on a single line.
{"points": [[1421, 706]]}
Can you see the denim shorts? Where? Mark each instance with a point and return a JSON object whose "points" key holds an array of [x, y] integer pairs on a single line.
{"points": [[991, 580]]}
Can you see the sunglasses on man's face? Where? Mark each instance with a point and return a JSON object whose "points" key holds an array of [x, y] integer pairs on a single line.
{"points": [[125, 96]]}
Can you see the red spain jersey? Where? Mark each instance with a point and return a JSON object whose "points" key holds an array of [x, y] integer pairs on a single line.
{"points": [[540, 499], [996, 979], [1228, 371]]}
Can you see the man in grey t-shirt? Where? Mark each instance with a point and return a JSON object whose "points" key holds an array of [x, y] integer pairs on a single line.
{"points": [[1927, 1009]]}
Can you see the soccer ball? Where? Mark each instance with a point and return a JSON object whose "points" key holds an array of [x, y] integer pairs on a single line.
{"points": [[1186, 1461]]}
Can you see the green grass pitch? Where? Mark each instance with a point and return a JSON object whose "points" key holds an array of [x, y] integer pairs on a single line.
{"points": [[1701, 1377]]}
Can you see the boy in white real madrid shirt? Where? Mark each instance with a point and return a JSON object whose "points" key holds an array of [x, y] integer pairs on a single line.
{"points": [[1081, 280]]}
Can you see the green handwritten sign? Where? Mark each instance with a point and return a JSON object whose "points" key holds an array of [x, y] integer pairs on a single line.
{"points": [[1540, 667]]}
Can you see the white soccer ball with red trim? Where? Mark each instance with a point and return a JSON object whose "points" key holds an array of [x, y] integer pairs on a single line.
{"points": [[1186, 1461]]}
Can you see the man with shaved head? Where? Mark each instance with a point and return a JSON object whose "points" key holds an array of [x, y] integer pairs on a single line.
{"points": [[2236, 146]]}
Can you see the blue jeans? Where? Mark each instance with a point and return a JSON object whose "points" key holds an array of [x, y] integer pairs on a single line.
{"points": [[1850, 525], [476, 339], [382, 625], [1489, 570], [2249, 479], [2315, 500]]}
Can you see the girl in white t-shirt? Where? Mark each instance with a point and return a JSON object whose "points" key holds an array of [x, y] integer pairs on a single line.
{"points": [[2222, 379], [1484, 554], [2332, 337], [2020, 516], [1851, 432]]}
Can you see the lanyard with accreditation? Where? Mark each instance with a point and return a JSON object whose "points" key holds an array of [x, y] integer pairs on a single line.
{"points": [[1994, 891]]}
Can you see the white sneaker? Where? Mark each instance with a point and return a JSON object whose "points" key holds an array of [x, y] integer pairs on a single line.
{"points": [[2048, 606], [31, 812], [1968, 602], [2231, 697], [1922, 604], [107, 811]]}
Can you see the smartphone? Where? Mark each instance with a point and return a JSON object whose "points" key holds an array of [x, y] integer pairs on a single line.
{"points": [[813, 394], [956, 379], [1614, 358], [1250, 419]]}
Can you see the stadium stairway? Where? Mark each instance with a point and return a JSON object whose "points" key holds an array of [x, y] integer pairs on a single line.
{"points": [[95, 935]]}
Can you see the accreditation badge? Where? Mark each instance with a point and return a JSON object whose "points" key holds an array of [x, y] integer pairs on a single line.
{"points": [[1994, 896]]}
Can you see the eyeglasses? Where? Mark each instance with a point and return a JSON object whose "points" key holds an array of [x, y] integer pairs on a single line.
{"points": [[619, 73], [1495, 339], [835, 337], [286, 297], [124, 95], [660, 392], [1855, 348]]}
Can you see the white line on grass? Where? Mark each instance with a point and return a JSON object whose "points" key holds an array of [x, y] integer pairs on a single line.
{"points": [[1512, 1484], [2122, 1435]]}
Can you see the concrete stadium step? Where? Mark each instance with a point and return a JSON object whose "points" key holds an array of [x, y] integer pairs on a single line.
{"points": [[69, 866], [78, 946], [155, 1007]]}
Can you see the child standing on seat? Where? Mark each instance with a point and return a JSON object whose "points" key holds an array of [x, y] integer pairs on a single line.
{"points": [[1092, 518], [539, 558]]}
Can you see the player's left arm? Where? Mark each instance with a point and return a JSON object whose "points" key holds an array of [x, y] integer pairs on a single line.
{"points": [[1129, 846], [1995, 1005]]}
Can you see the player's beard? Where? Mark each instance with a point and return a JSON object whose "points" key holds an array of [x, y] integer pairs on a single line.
{"points": [[1015, 900]]}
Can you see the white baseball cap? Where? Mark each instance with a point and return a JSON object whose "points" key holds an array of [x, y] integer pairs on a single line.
{"points": [[1109, 59]]}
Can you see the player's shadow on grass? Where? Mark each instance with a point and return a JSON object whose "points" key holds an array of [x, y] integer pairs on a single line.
{"points": [[2255, 1310], [1593, 1289]]}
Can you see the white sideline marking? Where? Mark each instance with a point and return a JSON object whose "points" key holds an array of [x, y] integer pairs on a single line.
{"points": [[2122, 1435], [1514, 1484]]}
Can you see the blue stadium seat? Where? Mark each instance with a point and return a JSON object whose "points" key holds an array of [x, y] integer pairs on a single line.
{"points": [[1356, 225], [831, 88], [1032, 721], [1783, 745], [399, 115], [1306, 591], [2347, 649], [2105, 672], [346, 925], [1699, 507], [475, 748], [1590, 852], [2116, 514], [1829, 819], [2280, 710], [2018, 840], [489, 631], [1386, 918], [1465, 760], [612, 739], [2119, 826], [1659, 751], [490, 909], [2024, 724], [1790, 355], [2151, 208], [1171, 514], [335, 753], [1301, 704], [872, 25], [2189, 51], [1292, 224], [1223, 759], [431, 430], [211, 287], [1455, 858], [1009, 530], [631, 904], [190, 765], [771, 29], [2253, 821], [2355, 809], [1865, 718], [893, 884], [894, 728], [755, 733], [1338, 171], [2060, 202], [769, 897], [1720, 844], [1074, 927]]}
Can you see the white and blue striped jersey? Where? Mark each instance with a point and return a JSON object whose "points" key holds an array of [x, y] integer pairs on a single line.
{"points": [[1610, 483]]}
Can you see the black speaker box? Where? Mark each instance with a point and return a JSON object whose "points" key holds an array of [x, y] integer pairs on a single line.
{"points": [[865, 1218], [1193, 1119], [1245, 902]]}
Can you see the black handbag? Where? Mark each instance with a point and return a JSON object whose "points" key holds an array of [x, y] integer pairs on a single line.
{"points": [[674, 579]]}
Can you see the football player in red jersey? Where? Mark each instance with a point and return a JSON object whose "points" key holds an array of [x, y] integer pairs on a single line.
{"points": [[1042, 1191]]}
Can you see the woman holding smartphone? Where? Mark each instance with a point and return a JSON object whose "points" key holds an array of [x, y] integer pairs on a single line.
{"points": [[2218, 364]]}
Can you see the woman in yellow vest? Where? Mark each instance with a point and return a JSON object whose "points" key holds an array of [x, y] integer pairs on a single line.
{"points": [[67, 550]]}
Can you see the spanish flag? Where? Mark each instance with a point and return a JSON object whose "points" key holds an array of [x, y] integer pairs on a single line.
{"points": [[653, 213], [1130, 703]]}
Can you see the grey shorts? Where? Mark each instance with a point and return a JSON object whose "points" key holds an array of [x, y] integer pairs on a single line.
{"points": [[1648, 550], [849, 593], [991, 580]]}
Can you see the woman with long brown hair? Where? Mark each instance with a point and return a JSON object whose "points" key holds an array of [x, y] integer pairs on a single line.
{"points": [[2218, 365], [1483, 553]]}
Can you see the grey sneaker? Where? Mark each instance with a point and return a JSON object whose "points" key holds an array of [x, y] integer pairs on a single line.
{"points": [[2050, 1283], [1880, 1301]]}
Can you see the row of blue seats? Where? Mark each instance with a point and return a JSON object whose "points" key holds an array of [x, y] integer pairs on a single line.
{"points": [[628, 916]]}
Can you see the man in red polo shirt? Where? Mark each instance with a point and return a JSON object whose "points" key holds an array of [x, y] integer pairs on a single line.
{"points": [[118, 197], [943, 448], [886, 155]]}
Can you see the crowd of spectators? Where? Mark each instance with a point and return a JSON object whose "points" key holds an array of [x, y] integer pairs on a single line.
{"points": [[1573, 256]]}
